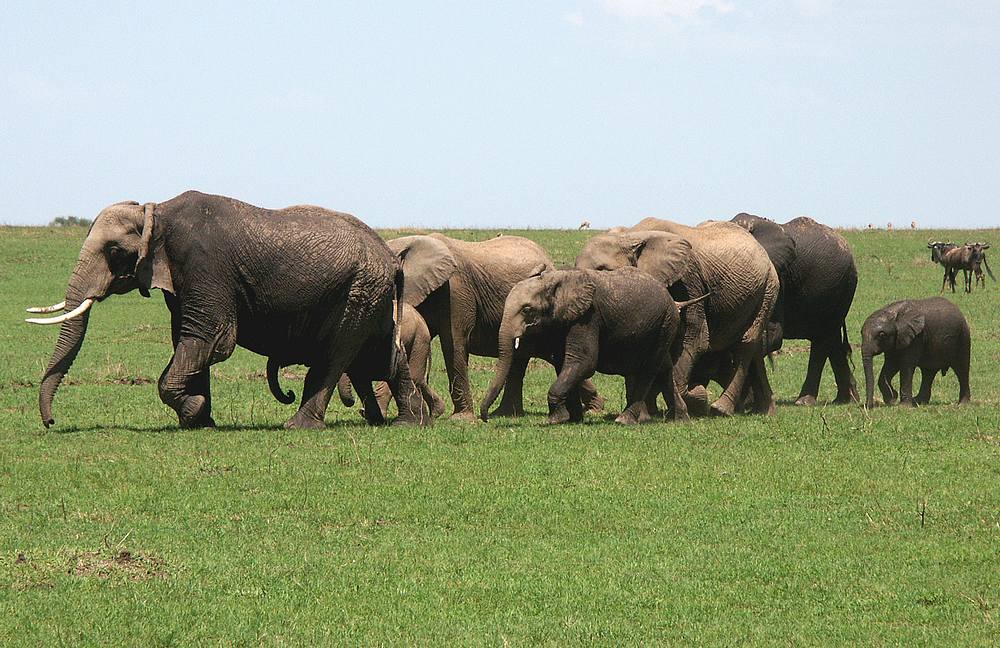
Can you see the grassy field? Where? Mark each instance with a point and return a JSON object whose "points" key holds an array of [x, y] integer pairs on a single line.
{"points": [[828, 525]]}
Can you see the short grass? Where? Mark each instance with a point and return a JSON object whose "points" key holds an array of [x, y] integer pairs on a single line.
{"points": [[828, 525]]}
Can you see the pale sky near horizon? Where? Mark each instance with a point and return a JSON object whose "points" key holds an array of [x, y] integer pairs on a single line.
{"points": [[510, 114]]}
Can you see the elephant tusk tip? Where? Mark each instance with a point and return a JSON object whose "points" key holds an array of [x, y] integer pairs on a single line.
{"points": [[517, 342]]}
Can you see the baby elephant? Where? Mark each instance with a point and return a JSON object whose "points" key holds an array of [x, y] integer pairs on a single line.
{"points": [[621, 322], [928, 333]]}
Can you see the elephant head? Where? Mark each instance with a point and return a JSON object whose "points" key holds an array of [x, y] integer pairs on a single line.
{"points": [[772, 237], [427, 264], [549, 299], [889, 329], [664, 255], [123, 251]]}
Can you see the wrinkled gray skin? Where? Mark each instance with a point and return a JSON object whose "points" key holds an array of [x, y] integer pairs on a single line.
{"points": [[928, 333], [621, 322], [301, 285], [818, 279], [459, 288], [416, 339], [718, 258]]}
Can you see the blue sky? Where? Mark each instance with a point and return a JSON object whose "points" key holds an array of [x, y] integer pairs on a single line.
{"points": [[487, 114]]}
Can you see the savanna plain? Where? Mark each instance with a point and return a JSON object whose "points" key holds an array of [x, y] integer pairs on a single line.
{"points": [[824, 525]]}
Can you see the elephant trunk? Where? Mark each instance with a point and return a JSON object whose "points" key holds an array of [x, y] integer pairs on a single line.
{"points": [[71, 335], [511, 329], [866, 360]]}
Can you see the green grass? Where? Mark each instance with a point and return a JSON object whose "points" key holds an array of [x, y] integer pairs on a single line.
{"points": [[827, 525]]}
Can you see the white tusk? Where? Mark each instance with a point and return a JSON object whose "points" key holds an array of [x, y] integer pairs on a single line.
{"points": [[47, 309], [517, 342], [59, 319]]}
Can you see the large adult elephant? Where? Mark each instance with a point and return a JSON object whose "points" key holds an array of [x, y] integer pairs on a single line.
{"points": [[818, 278], [304, 285], [716, 258], [459, 288]]}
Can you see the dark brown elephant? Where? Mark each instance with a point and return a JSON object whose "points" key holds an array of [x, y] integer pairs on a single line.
{"points": [[718, 258], [818, 279], [303, 285], [459, 288]]}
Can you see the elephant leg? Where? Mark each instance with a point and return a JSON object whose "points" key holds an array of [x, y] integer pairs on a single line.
{"points": [[763, 396], [725, 405], [592, 401], [637, 387], [818, 353], [885, 377], [562, 408], [419, 358], [409, 401], [961, 369], [512, 401], [906, 384], [454, 341], [370, 404], [847, 387], [200, 383], [926, 381], [184, 384], [344, 391], [383, 395], [676, 406]]}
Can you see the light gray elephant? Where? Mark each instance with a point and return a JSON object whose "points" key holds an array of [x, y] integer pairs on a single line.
{"points": [[718, 258]]}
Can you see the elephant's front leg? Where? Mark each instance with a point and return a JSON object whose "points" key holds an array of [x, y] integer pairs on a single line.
{"points": [[818, 353], [454, 347], [185, 383], [889, 370], [906, 384], [512, 402], [578, 364], [926, 382]]}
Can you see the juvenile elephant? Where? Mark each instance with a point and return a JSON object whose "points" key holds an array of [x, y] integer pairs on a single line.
{"points": [[622, 322], [718, 258], [818, 279], [928, 333], [459, 288], [414, 338], [302, 285]]}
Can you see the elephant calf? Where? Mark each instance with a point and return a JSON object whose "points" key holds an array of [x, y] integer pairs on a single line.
{"points": [[619, 322], [928, 333]]}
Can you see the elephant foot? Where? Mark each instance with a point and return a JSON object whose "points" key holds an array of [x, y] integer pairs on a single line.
{"points": [[594, 405], [630, 417], [696, 400], [304, 422], [806, 400], [437, 407], [464, 416], [507, 410], [723, 407], [846, 399], [409, 421], [561, 414], [964, 400], [194, 413]]}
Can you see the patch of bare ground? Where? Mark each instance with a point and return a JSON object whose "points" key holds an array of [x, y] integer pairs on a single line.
{"points": [[121, 563]]}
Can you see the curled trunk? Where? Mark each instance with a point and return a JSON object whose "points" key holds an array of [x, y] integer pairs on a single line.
{"points": [[866, 359], [71, 335], [511, 329]]}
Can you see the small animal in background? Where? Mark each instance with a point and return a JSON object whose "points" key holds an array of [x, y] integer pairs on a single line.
{"points": [[953, 258], [870, 226], [979, 262], [928, 333], [585, 225], [888, 226], [913, 224]]}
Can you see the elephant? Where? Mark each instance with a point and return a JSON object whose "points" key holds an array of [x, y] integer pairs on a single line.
{"points": [[301, 285], [416, 340], [621, 322], [928, 333], [459, 288], [818, 278], [718, 258]]}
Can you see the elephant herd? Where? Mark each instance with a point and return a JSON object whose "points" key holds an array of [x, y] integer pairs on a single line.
{"points": [[667, 306]]}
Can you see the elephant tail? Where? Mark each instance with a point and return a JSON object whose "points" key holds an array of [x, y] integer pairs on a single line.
{"points": [[397, 319], [284, 397], [846, 344]]}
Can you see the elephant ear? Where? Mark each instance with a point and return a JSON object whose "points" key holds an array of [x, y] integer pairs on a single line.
{"points": [[909, 324], [661, 254], [572, 296], [779, 246], [427, 264], [152, 269]]}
